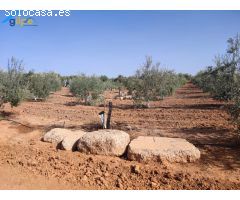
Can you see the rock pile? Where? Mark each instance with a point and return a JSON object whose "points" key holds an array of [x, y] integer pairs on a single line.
{"points": [[116, 143], [65, 138]]}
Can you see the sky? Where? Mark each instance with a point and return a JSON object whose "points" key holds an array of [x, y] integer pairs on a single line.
{"points": [[117, 42]]}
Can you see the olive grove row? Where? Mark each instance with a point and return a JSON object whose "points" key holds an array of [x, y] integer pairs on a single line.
{"points": [[150, 82], [223, 79]]}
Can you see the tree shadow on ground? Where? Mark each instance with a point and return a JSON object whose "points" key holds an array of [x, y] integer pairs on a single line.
{"points": [[219, 146], [89, 127], [67, 95], [124, 106], [203, 106], [224, 157], [206, 106], [186, 91], [5, 114], [114, 125], [208, 135], [21, 128], [194, 97], [73, 103]]}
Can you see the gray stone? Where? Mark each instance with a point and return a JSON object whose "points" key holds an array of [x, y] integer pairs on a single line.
{"points": [[104, 142], [70, 141], [56, 135], [162, 149]]}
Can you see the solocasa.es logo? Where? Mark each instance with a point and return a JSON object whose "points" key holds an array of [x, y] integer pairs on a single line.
{"points": [[20, 21]]}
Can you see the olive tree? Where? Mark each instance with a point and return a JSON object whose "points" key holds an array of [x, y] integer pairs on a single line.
{"points": [[2, 93], [54, 81], [41, 84], [235, 109], [13, 88], [223, 80], [152, 83], [88, 89], [234, 54]]}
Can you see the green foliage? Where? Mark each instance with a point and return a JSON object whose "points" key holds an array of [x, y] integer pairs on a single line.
{"points": [[88, 89], [15, 85], [104, 78], [41, 84], [223, 80], [66, 80], [235, 113], [183, 78], [13, 88], [38, 86], [2, 93], [120, 79], [235, 109], [130, 83], [54, 81], [1, 117], [152, 83], [109, 85]]}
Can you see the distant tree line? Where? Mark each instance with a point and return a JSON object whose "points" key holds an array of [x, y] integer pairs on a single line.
{"points": [[150, 82]]}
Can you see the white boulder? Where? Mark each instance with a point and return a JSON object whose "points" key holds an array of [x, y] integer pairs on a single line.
{"points": [[71, 140], [56, 135], [162, 149], [104, 142]]}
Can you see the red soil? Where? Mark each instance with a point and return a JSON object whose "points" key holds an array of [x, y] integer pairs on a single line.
{"points": [[28, 163]]}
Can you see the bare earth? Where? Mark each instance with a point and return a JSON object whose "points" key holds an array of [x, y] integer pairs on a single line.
{"points": [[28, 163]]}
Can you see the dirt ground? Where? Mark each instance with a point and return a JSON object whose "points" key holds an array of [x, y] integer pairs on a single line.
{"points": [[28, 163]]}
